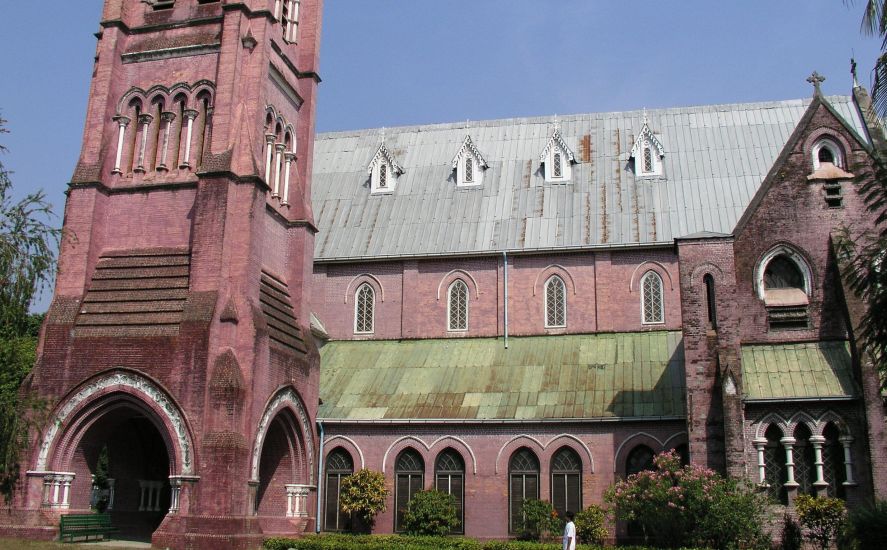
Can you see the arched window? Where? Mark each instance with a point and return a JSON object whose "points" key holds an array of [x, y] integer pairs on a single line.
{"points": [[457, 306], [338, 466], [833, 468], [469, 169], [383, 175], [523, 476], [774, 465], [782, 272], [558, 166], [566, 481], [710, 303], [805, 473], [648, 159], [449, 477], [651, 298], [555, 303], [827, 151], [364, 302], [639, 459], [409, 471]]}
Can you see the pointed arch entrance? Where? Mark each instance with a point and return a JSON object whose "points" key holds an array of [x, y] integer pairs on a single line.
{"points": [[116, 444], [283, 459]]}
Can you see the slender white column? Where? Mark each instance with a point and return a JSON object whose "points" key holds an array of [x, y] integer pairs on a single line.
{"points": [[167, 119], [56, 486], [142, 494], [66, 490], [269, 154], [145, 122], [190, 115], [289, 157], [111, 493], [848, 460], [816, 441], [277, 167], [175, 485], [760, 445], [122, 123], [788, 443]]}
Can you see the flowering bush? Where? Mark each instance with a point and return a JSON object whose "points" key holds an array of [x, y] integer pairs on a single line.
{"points": [[690, 506]]}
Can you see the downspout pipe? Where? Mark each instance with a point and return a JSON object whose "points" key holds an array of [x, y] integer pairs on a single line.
{"points": [[505, 263], [320, 483]]}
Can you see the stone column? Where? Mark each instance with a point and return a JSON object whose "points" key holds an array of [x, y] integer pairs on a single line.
{"points": [[122, 123], [190, 115], [253, 489], [297, 500], [167, 119], [145, 122], [111, 482], [289, 157], [791, 486], [846, 440], [269, 154], [277, 167], [820, 485], [760, 444]]}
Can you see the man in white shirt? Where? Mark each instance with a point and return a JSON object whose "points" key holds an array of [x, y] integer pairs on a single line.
{"points": [[569, 533]]}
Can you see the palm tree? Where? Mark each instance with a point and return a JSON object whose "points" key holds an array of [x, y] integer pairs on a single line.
{"points": [[874, 23]]}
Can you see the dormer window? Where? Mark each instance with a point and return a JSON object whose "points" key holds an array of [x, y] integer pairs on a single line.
{"points": [[783, 281], [469, 165], [828, 168], [647, 153], [557, 159], [383, 171]]}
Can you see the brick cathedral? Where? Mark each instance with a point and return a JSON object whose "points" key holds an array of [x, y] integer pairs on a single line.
{"points": [[508, 309]]}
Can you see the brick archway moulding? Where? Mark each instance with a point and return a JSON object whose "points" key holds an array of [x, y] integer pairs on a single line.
{"points": [[287, 398], [145, 391]]}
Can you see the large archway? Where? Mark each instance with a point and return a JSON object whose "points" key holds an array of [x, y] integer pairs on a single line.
{"points": [[113, 445], [283, 474], [122, 464]]}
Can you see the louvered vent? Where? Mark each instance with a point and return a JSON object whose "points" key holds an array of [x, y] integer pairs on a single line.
{"points": [[136, 293], [283, 327]]}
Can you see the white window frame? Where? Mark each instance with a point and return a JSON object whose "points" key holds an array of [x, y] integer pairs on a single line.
{"points": [[450, 327], [545, 301], [791, 254], [566, 165], [655, 160], [372, 306], [644, 320], [832, 146]]}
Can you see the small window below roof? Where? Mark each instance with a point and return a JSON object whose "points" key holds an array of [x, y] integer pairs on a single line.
{"points": [[783, 280], [827, 151], [469, 165], [383, 171]]}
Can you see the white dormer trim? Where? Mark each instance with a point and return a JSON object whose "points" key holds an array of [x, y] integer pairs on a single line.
{"points": [[469, 165], [383, 171], [557, 158], [647, 140]]}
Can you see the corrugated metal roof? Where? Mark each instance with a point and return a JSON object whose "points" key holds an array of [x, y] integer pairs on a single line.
{"points": [[797, 371], [544, 377], [716, 157]]}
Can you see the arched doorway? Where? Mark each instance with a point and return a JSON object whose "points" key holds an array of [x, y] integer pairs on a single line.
{"points": [[123, 428], [283, 470], [123, 465]]}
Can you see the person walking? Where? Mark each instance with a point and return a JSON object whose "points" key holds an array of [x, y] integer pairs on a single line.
{"points": [[569, 533]]}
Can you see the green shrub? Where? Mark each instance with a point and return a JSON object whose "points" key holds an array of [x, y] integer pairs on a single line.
{"points": [[691, 506], [822, 517], [591, 525], [866, 528], [431, 513], [330, 541], [792, 538], [538, 520], [363, 494]]}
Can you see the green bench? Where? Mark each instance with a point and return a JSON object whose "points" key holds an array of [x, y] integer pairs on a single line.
{"points": [[85, 525]]}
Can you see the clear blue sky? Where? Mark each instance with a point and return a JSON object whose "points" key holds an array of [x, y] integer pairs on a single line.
{"points": [[399, 62]]}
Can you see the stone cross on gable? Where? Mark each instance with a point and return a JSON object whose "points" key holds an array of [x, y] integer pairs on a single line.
{"points": [[816, 79]]}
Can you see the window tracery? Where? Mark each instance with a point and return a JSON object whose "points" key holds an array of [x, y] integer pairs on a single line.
{"points": [[364, 304], [555, 303], [653, 310], [457, 306]]}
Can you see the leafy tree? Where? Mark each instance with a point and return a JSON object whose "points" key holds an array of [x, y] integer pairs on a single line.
{"points": [[431, 513], [822, 517], [363, 494], [27, 245], [874, 23], [866, 528]]}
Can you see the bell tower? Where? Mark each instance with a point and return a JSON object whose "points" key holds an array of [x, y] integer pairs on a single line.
{"points": [[176, 357]]}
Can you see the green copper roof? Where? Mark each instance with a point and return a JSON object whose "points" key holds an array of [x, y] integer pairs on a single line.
{"points": [[797, 371], [539, 377]]}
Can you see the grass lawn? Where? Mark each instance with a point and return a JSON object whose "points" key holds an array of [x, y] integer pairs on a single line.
{"points": [[19, 544]]}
